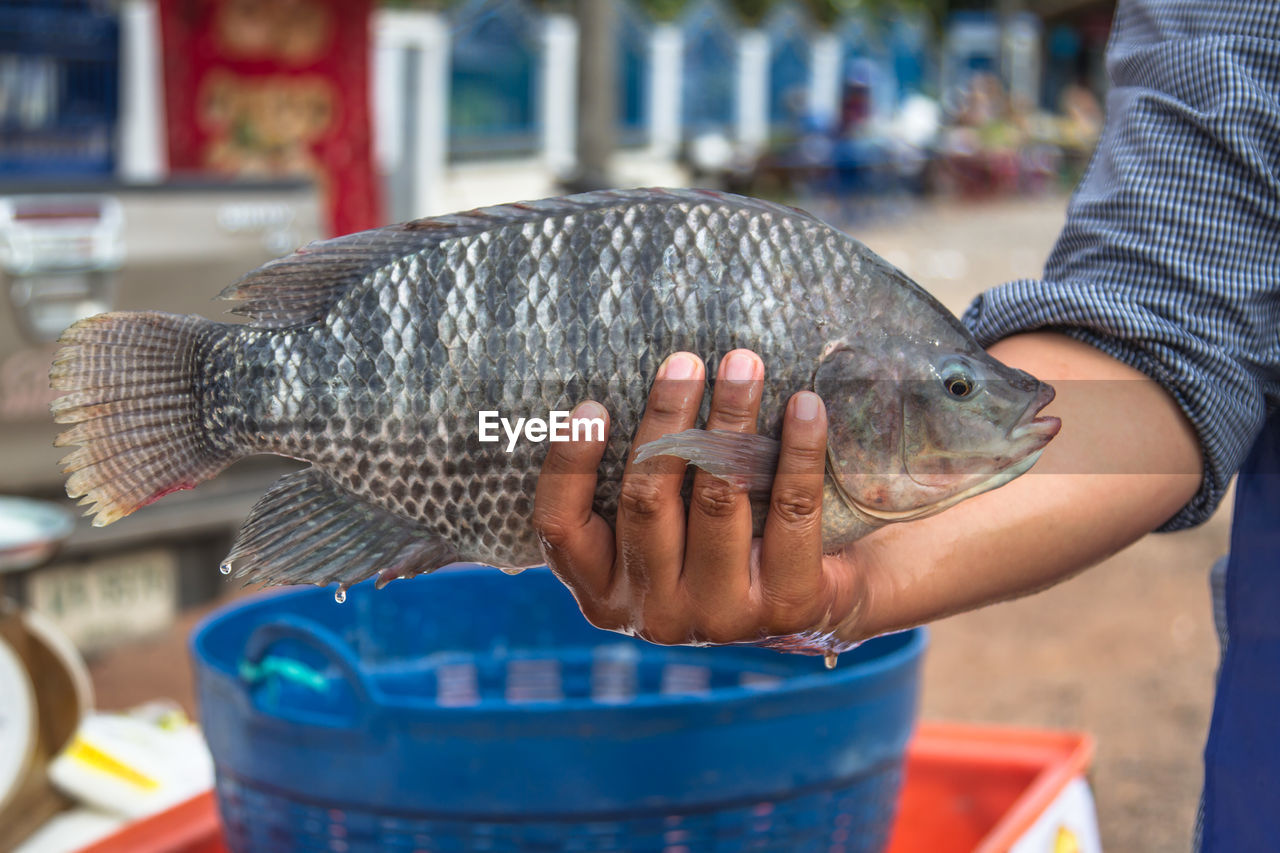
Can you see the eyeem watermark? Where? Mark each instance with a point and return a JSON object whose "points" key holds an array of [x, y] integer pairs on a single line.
{"points": [[557, 426]]}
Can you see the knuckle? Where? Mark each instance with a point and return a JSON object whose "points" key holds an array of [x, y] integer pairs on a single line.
{"points": [[553, 533], [599, 617], [795, 505], [715, 498], [793, 611], [662, 620], [789, 620], [562, 458], [807, 455], [674, 400], [722, 633], [640, 496], [665, 634], [671, 412], [732, 410]]}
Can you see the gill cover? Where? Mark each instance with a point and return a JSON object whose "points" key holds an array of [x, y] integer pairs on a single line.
{"points": [[864, 426]]}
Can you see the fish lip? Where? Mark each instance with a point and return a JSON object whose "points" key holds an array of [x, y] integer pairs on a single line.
{"points": [[1042, 428]]}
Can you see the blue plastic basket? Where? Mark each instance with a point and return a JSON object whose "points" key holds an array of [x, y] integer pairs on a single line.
{"points": [[472, 711]]}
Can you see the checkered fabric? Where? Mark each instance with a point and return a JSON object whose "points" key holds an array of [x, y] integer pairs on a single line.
{"points": [[1170, 257]]}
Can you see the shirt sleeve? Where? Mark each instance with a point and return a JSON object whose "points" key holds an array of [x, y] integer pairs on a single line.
{"points": [[1169, 257]]}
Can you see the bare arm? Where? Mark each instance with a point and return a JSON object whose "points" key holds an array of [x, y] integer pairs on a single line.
{"points": [[1071, 511], [675, 578]]}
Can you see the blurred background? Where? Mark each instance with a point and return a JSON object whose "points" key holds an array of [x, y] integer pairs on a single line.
{"points": [[153, 151]]}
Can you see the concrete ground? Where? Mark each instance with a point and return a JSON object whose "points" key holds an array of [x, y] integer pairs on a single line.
{"points": [[1126, 651]]}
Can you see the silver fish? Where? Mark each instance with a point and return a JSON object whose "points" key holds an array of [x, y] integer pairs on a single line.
{"points": [[371, 356]]}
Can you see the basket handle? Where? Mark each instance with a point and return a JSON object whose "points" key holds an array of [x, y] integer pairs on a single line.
{"points": [[318, 637]]}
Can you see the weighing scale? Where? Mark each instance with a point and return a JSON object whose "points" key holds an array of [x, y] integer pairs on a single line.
{"points": [[44, 687]]}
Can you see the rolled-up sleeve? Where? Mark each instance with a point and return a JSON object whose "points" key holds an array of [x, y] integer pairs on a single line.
{"points": [[1169, 257]]}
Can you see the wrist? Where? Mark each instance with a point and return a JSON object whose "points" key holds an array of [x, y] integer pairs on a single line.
{"points": [[856, 569], [842, 623]]}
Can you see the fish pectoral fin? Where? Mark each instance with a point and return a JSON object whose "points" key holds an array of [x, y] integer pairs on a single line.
{"points": [[308, 529], [745, 460]]}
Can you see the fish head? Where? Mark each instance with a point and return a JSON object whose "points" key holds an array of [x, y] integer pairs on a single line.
{"points": [[917, 425]]}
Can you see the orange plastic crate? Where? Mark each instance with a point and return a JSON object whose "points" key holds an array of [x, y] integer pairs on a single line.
{"points": [[968, 789], [979, 788]]}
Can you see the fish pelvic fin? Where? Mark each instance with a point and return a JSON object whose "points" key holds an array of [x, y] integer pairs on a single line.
{"points": [[745, 460], [308, 529], [129, 383]]}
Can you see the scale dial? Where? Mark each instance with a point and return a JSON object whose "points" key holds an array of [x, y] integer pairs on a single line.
{"points": [[17, 723]]}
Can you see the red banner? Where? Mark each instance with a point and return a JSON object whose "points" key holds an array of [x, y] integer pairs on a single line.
{"points": [[274, 88]]}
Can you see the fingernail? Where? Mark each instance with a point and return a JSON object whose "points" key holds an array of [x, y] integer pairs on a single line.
{"points": [[740, 367], [806, 406], [588, 410], [678, 366]]}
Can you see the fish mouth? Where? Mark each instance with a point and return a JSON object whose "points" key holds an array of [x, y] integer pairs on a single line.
{"points": [[1039, 429]]}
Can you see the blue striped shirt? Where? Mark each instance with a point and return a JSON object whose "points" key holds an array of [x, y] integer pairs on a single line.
{"points": [[1169, 257]]}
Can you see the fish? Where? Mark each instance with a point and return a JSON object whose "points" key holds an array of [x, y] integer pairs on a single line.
{"points": [[373, 355]]}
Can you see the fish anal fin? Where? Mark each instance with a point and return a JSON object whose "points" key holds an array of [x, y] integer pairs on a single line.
{"points": [[308, 529]]}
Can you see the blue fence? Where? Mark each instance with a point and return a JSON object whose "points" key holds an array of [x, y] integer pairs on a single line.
{"points": [[790, 67], [59, 89], [710, 61], [494, 92], [633, 73]]}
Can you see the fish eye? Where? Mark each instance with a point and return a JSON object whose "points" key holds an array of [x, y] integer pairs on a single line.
{"points": [[958, 379]]}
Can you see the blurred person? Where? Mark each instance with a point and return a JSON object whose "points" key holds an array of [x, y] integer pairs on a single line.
{"points": [[1079, 125], [861, 159], [1158, 318], [1081, 113], [981, 148]]}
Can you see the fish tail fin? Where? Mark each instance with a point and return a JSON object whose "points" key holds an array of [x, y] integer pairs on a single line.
{"points": [[129, 383]]}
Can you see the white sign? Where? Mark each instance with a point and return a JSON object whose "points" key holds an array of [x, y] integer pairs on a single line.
{"points": [[101, 602]]}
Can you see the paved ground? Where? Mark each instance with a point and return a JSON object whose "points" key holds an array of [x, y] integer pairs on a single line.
{"points": [[1125, 651]]}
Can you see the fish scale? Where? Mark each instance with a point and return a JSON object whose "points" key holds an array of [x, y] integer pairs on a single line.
{"points": [[371, 355]]}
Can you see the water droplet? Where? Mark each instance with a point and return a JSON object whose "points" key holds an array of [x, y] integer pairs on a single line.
{"points": [[225, 568], [830, 659], [341, 595], [511, 571]]}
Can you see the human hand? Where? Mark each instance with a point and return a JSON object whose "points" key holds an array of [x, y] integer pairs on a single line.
{"points": [[676, 576]]}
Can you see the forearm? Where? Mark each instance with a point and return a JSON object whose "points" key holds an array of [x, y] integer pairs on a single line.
{"points": [[1125, 461]]}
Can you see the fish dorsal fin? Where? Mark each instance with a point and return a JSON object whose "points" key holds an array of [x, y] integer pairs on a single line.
{"points": [[298, 289]]}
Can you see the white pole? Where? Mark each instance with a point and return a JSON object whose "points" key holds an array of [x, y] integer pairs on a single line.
{"points": [[824, 91], [386, 96], [432, 131], [753, 89], [559, 92], [143, 157], [396, 32], [666, 58]]}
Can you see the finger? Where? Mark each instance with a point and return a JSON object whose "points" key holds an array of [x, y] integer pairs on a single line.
{"points": [[717, 556], [577, 543], [651, 514], [791, 553]]}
